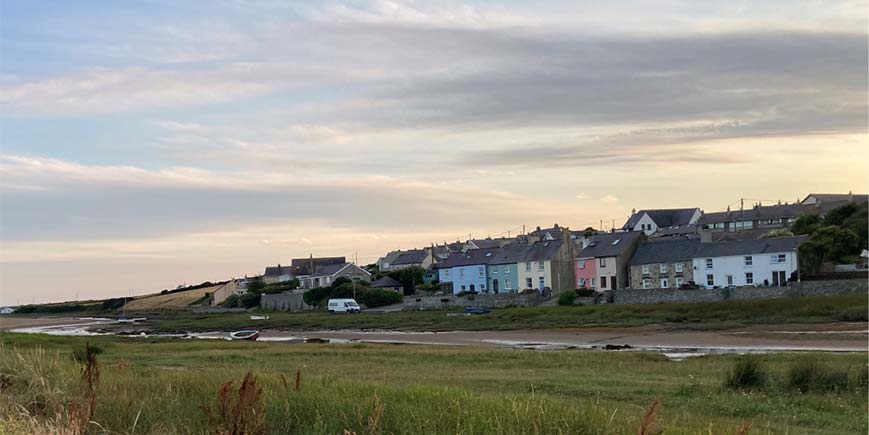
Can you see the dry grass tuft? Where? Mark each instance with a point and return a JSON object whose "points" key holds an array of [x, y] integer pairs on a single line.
{"points": [[647, 425], [241, 414], [743, 428]]}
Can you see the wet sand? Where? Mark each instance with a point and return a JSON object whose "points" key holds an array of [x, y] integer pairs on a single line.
{"points": [[826, 337], [16, 322], [834, 337]]}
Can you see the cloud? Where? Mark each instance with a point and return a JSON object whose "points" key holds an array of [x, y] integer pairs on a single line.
{"points": [[609, 199]]}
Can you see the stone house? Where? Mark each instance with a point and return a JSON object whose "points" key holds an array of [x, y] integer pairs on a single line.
{"points": [[326, 275], [663, 264]]}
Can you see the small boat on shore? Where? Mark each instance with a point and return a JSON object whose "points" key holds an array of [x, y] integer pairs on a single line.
{"points": [[474, 310], [244, 335]]}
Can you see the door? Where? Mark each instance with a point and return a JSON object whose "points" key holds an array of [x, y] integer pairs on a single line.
{"points": [[472, 289], [613, 283], [730, 280], [779, 278], [495, 285]]}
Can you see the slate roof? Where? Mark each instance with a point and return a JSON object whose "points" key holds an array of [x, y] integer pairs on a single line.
{"points": [[390, 257], [278, 270], [755, 213], [470, 257], [749, 247], [488, 243], [330, 269], [837, 197], [542, 250], [669, 217], [509, 254], [410, 257], [303, 266], [555, 232], [666, 251], [385, 282], [602, 245]]}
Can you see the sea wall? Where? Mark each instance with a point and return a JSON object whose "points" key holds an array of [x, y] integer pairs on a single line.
{"points": [[804, 288], [501, 300]]}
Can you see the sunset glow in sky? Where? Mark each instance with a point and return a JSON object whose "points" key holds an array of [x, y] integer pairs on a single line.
{"points": [[149, 144]]}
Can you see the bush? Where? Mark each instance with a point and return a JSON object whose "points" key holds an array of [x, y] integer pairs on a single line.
{"points": [[372, 298], [249, 300], [567, 297], [113, 304], [315, 296], [809, 374], [231, 301], [585, 292], [854, 314], [256, 285], [748, 373]]}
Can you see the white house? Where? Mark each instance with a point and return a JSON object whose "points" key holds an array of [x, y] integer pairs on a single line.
{"points": [[326, 275], [746, 263], [650, 221]]}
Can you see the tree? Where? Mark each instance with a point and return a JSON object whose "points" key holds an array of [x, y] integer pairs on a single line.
{"points": [[231, 301], [776, 233], [255, 285], [409, 277], [806, 224], [249, 300]]}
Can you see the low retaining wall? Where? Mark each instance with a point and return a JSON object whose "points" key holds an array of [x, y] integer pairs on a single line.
{"points": [[288, 301], [216, 310], [501, 300], [805, 288]]}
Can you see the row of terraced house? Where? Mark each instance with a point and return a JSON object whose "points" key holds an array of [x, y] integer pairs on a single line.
{"points": [[660, 248]]}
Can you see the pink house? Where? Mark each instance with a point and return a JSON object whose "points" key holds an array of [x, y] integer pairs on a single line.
{"points": [[586, 271]]}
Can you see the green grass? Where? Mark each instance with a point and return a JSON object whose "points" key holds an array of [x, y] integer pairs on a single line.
{"points": [[716, 315], [159, 386]]}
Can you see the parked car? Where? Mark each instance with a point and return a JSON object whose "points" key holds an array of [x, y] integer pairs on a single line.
{"points": [[347, 306]]}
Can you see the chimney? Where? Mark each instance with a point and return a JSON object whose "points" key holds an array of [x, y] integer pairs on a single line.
{"points": [[555, 226], [633, 211], [850, 196], [538, 228]]}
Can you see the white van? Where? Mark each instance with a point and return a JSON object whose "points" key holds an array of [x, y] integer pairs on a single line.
{"points": [[343, 306]]}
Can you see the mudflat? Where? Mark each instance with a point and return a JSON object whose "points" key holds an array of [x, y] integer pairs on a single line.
{"points": [[16, 322]]}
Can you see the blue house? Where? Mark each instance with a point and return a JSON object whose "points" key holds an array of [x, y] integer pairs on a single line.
{"points": [[466, 271], [502, 271]]}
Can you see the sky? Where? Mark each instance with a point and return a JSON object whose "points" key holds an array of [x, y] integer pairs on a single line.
{"points": [[148, 144]]}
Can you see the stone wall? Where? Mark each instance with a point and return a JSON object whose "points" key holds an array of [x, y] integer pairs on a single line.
{"points": [[287, 301], [501, 300], [805, 288]]}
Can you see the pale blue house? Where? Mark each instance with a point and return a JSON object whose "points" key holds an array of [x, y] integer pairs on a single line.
{"points": [[502, 271], [466, 271]]}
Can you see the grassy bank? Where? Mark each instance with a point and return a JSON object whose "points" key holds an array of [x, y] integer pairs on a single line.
{"points": [[162, 387], [715, 315]]}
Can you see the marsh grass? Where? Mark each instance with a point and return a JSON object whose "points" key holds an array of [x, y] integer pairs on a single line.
{"points": [[747, 373], [161, 386], [811, 374]]}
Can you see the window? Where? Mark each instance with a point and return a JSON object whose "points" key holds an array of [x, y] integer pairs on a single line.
{"points": [[580, 264], [603, 282], [749, 278], [645, 269], [580, 283], [741, 225], [603, 262], [645, 283], [506, 269], [679, 267], [663, 268], [541, 266], [528, 267], [528, 282], [495, 269], [780, 258], [591, 280], [446, 273], [679, 282], [729, 280], [665, 283], [748, 260], [709, 263], [463, 287], [461, 273], [507, 285], [718, 226], [481, 270], [710, 280]]}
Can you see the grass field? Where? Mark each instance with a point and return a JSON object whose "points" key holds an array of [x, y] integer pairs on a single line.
{"points": [[715, 315], [163, 387], [169, 301]]}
